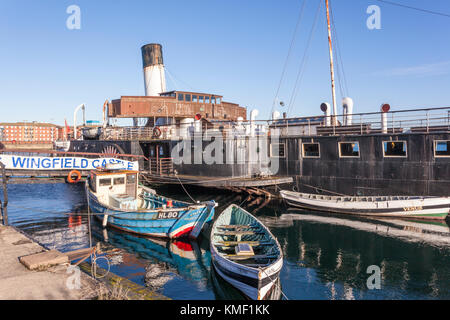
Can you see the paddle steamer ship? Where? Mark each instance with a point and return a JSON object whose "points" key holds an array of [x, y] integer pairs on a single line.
{"points": [[401, 152]]}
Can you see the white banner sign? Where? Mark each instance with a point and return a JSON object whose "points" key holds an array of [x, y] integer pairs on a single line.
{"points": [[63, 163]]}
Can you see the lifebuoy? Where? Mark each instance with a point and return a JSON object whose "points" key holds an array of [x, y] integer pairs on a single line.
{"points": [[156, 132], [69, 176]]}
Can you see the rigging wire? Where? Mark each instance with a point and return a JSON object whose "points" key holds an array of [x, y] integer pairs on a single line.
{"points": [[299, 18], [415, 8], [342, 78], [176, 86], [172, 76], [304, 59]]}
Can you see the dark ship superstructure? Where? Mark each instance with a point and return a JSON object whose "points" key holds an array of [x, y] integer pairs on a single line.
{"points": [[200, 139]]}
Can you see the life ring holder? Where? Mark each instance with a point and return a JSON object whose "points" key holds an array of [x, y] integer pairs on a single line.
{"points": [[71, 173], [156, 132]]}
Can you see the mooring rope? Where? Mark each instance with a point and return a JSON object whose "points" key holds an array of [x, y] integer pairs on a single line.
{"points": [[185, 189]]}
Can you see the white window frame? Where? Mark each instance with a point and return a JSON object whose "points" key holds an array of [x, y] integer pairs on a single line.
{"points": [[278, 156], [387, 141], [434, 148], [339, 149], [310, 157]]}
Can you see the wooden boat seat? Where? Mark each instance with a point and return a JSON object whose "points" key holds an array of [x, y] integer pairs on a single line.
{"points": [[235, 243], [237, 227], [247, 257], [237, 233]]}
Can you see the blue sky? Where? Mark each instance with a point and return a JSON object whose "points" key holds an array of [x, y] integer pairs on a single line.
{"points": [[236, 48]]}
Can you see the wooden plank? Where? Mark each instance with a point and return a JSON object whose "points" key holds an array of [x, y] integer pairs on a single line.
{"points": [[244, 257], [235, 233], [237, 226], [44, 259], [78, 254], [235, 243]]}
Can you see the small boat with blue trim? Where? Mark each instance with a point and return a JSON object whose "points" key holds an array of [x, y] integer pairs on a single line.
{"points": [[245, 253], [116, 197]]}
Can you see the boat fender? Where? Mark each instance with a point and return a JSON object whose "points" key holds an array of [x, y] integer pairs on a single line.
{"points": [[156, 132], [71, 173]]}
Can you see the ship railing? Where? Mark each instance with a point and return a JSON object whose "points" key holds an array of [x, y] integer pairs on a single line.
{"points": [[60, 154], [160, 166], [177, 132], [401, 121]]}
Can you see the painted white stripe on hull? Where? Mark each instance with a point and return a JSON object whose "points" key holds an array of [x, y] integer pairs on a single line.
{"points": [[184, 227]]}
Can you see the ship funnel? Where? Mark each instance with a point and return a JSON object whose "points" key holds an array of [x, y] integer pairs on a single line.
{"points": [[154, 76], [326, 109], [347, 106]]}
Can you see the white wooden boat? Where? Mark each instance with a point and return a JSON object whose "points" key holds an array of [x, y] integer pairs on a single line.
{"points": [[380, 206], [245, 253]]}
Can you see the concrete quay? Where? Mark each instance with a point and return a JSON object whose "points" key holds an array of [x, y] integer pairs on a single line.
{"points": [[57, 282]]}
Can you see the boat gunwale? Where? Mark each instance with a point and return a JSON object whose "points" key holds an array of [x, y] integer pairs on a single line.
{"points": [[144, 211], [237, 264]]}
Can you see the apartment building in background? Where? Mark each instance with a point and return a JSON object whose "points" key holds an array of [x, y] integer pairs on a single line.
{"points": [[30, 132]]}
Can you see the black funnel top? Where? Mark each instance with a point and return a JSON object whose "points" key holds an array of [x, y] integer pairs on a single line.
{"points": [[151, 54]]}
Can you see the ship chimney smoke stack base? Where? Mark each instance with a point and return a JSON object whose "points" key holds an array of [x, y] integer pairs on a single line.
{"points": [[347, 107], [326, 109], [384, 121]]}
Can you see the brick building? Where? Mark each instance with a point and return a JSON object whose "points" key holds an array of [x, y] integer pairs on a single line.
{"points": [[30, 132]]}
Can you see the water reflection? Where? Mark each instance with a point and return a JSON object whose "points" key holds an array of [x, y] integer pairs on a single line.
{"points": [[162, 259], [326, 256]]}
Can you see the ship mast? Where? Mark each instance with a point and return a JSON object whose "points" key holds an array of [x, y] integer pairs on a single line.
{"points": [[333, 91]]}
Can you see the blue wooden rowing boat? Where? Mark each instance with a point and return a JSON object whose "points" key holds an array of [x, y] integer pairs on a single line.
{"points": [[115, 197]]}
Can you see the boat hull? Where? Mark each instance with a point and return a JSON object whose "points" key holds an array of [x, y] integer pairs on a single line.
{"points": [[255, 281], [147, 222], [254, 284], [412, 207]]}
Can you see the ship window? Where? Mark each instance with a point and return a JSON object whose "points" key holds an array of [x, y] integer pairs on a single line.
{"points": [[206, 99], [311, 150], [104, 182], [213, 100], [194, 98], [349, 149], [218, 100], [277, 150], [394, 148], [442, 148], [117, 181], [188, 98], [200, 99], [180, 97], [131, 178]]}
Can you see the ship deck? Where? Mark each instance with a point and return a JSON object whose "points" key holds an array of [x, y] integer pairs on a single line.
{"points": [[221, 182]]}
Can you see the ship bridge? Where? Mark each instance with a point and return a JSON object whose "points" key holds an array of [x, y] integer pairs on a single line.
{"points": [[176, 105]]}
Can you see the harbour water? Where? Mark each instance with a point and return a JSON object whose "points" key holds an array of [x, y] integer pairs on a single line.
{"points": [[326, 257]]}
